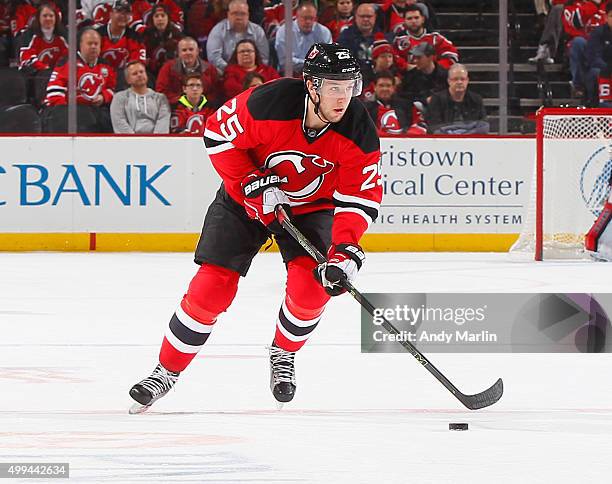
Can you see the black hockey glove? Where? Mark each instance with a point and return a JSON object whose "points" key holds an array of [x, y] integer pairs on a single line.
{"points": [[343, 263]]}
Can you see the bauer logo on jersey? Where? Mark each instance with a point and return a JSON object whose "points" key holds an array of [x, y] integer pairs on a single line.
{"points": [[304, 173]]}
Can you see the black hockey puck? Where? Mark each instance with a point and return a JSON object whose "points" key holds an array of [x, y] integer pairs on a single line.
{"points": [[457, 426]]}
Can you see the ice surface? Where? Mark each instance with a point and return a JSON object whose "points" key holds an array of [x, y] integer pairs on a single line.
{"points": [[77, 330]]}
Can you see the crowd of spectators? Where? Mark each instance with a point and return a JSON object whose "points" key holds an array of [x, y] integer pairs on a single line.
{"points": [[157, 66]]}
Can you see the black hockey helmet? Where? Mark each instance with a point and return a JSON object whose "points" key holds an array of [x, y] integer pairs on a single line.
{"points": [[331, 61]]}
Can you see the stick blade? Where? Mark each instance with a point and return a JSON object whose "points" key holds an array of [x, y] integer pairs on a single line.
{"points": [[483, 399]]}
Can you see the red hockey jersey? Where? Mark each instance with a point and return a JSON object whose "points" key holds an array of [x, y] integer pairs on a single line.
{"points": [[581, 17], [24, 15], [337, 25], [337, 168], [190, 119], [141, 9], [91, 81], [605, 89], [40, 54], [446, 52], [126, 48]]}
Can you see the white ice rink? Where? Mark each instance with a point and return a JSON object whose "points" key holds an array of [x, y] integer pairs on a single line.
{"points": [[77, 330]]}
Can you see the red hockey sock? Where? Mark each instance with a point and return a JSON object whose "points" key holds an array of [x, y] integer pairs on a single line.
{"points": [[210, 292], [304, 303]]}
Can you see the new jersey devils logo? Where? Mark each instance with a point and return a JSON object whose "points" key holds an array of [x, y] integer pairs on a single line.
{"points": [[389, 122], [90, 85], [304, 173], [195, 124], [48, 55]]}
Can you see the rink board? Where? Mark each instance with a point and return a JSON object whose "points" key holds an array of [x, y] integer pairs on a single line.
{"points": [[134, 193]]}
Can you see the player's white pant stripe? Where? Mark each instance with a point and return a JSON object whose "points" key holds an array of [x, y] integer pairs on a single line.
{"points": [[220, 149], [179, 345], [214, 136], [302, 323], [367, 218], [289, 335], [352, 199], [191, 323]]}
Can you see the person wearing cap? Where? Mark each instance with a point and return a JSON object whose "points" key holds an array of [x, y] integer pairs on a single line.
{"points": [[306, 32], [427, 76], [306, 144], [384, 58], [120, 43], [456, 110]]}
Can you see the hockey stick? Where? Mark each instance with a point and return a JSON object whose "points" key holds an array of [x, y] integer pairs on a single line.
{"points": [[473, 402]]}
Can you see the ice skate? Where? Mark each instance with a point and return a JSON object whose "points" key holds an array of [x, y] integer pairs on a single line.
{"points": [[152, 388], [282, 374]]}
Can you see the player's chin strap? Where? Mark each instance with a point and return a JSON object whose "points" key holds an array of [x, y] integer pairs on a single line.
{"points": [[316, 108]]}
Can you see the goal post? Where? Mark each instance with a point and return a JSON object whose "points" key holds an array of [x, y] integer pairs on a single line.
{"points": [[571, 181]]}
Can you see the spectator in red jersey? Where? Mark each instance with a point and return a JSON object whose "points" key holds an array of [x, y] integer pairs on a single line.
{"points": [[203, 15], [139, 109], [23, 13], [161, 38], [169, 79], [245, 59], [141, 9], [341, 19], [95, 86], [192, 110], [44, 42], [95, 78], [392, 115], [120, 43], [252, 79], [414, 32]]}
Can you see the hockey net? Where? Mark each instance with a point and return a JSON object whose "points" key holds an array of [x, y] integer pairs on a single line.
{"points": [[570, 184]]}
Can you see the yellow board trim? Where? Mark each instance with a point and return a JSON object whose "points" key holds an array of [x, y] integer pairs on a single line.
{"points": [[110, 242]]}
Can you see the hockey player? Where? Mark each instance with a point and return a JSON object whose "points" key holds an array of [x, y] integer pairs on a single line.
{"points": [[306, 144]]}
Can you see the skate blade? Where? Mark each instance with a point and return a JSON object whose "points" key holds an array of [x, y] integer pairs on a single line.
{"points": [[279, 406], [138, 408]]}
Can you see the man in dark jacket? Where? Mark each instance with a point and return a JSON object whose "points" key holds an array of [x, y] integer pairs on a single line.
{"points": [[427, 77], [456, 110]]}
